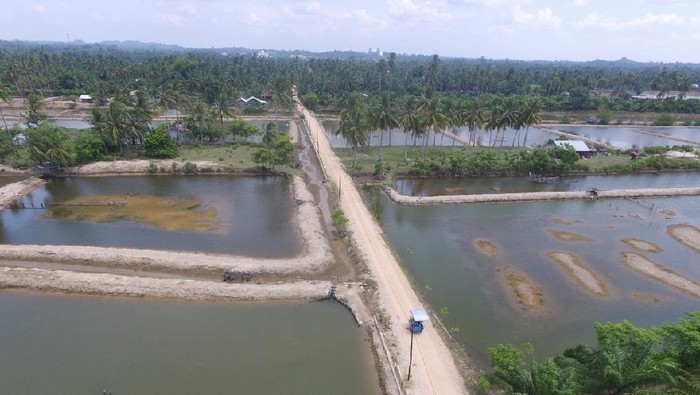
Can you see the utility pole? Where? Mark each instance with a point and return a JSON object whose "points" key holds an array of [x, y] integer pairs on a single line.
{"points": [[410, 358]]}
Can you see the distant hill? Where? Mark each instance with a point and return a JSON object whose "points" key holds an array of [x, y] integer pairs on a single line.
{"points": [[138, 46]]}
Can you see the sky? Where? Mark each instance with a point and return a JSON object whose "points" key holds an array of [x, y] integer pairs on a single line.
{"points": [[641, 30]]}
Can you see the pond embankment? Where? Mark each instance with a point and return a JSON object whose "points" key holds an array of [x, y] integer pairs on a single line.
{"points": [[539, 196], [12, 192], [62, 281]]}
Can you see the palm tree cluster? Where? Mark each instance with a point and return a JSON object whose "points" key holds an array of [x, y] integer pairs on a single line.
{"points": [[429, 115], [625, 360]]}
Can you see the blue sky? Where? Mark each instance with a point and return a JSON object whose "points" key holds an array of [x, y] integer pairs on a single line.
{"points": [[643, 30]]}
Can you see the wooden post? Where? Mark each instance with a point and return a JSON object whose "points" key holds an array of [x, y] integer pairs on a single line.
{"points": [[410, 357]]}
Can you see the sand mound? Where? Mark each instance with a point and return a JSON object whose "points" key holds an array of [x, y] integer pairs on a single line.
{"points": [[525, 293], [561, 221], [669, 213], [651, 269], [688, 235], [579, 272], [642, 245], [486, 247], [642, 297], [569, 236]]}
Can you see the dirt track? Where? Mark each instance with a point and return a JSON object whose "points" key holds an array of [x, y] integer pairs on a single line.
{"points": [[434, 370], [537, 196]]}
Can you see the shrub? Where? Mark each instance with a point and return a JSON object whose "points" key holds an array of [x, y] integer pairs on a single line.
{"points": [[158, 144], [664, 120], [152, 168]]}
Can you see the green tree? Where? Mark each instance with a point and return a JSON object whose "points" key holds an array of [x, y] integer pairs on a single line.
{"points": [[222, 109], [159, 144], [268, 138], [382, 116], [49, 143], [354, 128], [89, 147], [242, 129], [530, 114], [34, 115]]}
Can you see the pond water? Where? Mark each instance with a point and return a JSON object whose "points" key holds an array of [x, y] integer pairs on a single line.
{"points": [[436, 244], [686, 133], [619, 137], [254, 215], [477, 186], [79, 345]]}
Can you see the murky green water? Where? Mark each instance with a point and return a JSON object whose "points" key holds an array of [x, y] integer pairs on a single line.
{"points": [[76, 345], [254, 215], [436, 245], [468, 186]]}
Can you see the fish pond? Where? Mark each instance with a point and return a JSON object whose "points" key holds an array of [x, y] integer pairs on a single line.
{"points": [[87, 345], [220, 214], [460, 257]]}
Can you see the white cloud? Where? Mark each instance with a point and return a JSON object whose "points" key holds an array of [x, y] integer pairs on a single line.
{"points": [[543, 17], [254, 19], [412, 8], [171, 19], [581, 2], [364, 17], [40, 9], [650, 20]]}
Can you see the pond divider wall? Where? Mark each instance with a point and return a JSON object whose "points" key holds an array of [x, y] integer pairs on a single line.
{"points": [[540, 196]]}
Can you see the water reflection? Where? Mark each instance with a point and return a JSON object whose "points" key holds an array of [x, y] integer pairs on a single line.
{"points": [[253, 215], [437, 245]]}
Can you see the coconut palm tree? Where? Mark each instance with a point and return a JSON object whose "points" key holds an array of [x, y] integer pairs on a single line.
{"points": [[268, 138], [431, 111], [382, 116], [222, 109], [354, 128], [474, 118], [410, 121], [530, 114]]}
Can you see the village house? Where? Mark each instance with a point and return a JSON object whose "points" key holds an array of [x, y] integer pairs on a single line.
{"points": [[579, 146]]}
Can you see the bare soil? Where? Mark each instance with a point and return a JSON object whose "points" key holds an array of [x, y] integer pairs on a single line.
{"points": [[668, 213], [644, 297], [688, 235], [525, 293], [653, 270], [577, 270], [561, 221], [434, 370], [564, 235]]}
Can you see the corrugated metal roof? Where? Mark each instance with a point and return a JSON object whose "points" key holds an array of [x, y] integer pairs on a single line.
{"points": [[420, 315], [579, 146]]}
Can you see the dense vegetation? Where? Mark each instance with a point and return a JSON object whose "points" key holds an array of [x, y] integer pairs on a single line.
{"points": [[625, 360], [421, 95]]}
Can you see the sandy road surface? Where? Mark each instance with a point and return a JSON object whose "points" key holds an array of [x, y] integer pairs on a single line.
{"points": [[434, 370]]}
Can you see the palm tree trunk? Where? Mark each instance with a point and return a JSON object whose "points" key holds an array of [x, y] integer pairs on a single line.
{"points": [[381, 142], [525, 138], [405, 148]]}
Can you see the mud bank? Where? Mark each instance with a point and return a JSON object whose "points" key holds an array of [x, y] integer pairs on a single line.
{"points": [[117, 285], [316, 254], [538, 196], [579, 272], [525, 294], [688, 235], [653, 270], [140, 167], [13, 192]]}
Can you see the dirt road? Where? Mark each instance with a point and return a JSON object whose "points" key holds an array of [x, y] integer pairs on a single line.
{"points": [[434, 370]]}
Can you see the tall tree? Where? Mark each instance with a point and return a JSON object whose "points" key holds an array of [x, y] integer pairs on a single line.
{"points": [[354, 128], [222, 108], [410, 121], [431, 111], [530, 114], [382, 116]]}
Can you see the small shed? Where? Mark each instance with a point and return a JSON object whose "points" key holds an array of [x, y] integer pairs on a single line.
{"points": [[251, 100], [579, 146], [85, 99]]}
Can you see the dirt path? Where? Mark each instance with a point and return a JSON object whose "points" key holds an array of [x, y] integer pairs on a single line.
{"points": [[434, 370], [535, 196]]}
